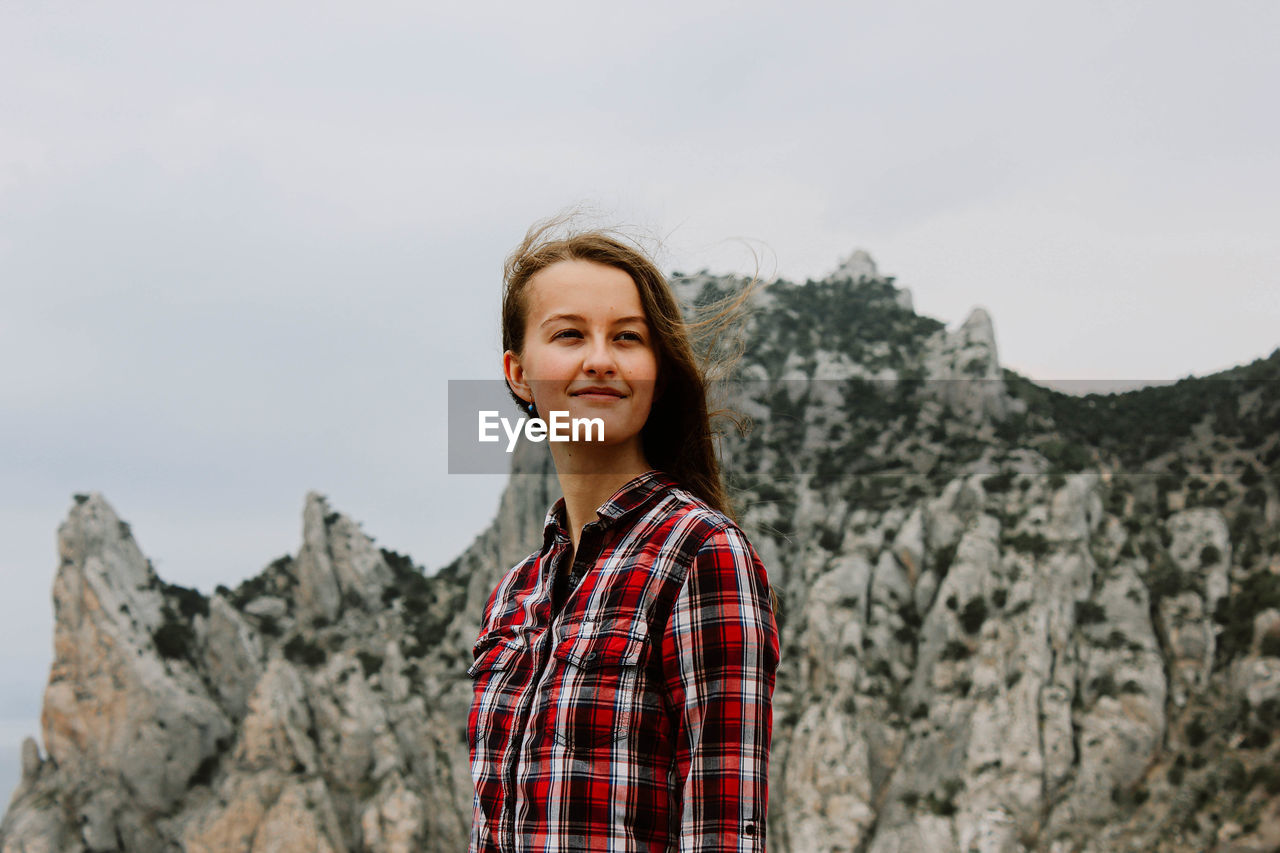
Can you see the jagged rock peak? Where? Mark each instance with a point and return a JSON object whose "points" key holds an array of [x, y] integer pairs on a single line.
{"points": [[336, 560], [858, 264], [93, 528], [971, 349], [965, 367], [127, 718], [978, 328]]}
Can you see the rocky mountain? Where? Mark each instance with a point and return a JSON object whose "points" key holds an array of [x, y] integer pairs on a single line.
{"points": [[1012, 620]]}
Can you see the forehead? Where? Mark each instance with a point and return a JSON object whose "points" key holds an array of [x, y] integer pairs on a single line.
{"points": [[587, 288]]}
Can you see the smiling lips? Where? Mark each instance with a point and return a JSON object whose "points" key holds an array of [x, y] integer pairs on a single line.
{"points": [[596, 392]]}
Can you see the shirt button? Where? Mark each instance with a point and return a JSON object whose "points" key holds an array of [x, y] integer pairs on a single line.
{"points": [[592, 655]]}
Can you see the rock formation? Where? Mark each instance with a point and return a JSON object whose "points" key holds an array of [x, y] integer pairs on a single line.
{"points": [[1011, 621]]}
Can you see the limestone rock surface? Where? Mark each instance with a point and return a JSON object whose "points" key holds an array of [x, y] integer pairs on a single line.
{"points": [[1010, 621]]}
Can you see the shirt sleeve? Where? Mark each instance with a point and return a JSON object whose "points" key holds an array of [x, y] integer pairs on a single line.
{"points": [[720, 652]]}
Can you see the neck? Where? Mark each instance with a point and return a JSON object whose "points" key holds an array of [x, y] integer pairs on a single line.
{"points": [[588, 478]]}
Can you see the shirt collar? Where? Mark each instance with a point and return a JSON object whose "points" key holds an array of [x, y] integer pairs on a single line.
{"points": [[633, 495]]}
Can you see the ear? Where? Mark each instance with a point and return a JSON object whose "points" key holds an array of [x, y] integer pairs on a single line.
{"points": [[514, 372]]}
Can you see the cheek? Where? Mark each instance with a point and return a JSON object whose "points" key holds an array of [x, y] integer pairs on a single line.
{"points": [[648, 366], [548, 364]]}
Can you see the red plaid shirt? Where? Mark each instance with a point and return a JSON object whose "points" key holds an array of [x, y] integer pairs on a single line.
{"points": [[640, 716]]}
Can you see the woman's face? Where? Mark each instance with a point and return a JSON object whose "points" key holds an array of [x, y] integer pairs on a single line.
{"points": [[588, 349]]}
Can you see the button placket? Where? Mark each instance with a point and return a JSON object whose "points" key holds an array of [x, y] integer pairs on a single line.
{"points": [[587, 553]]}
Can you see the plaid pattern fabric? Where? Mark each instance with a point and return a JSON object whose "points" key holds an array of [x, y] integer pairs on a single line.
{"points": [[639, 718]]}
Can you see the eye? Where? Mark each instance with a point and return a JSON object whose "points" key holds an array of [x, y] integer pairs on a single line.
{"points": [[632, 336], [566, 332]]}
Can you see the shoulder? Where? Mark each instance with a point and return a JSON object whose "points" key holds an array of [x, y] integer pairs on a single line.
{"points": [[520, 569], [518, 580], [675, 512], [705, 527]]}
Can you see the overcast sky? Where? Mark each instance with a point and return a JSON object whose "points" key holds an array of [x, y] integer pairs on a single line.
{"points": [[243, 247]]}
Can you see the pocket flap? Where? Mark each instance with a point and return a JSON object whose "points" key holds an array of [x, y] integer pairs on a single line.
{"points": [[493, 654], [588, 646]]}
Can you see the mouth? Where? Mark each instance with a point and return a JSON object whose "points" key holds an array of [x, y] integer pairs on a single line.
{"points": [[599, 393]]}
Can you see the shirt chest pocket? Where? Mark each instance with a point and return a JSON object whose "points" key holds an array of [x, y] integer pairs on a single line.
{"points": [[494, 656], [494, 690], [600, 671]]}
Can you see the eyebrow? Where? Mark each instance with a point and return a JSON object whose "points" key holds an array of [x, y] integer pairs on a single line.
{"points": [[577, 318]]}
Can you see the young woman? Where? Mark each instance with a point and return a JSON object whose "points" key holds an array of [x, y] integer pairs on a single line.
{"points": [[624, 673]]}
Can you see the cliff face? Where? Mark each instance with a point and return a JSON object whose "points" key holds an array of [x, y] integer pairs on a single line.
{"points": [[1011, 621]]}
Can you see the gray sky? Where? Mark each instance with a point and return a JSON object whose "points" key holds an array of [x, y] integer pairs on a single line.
{"points": [[243, 247]]}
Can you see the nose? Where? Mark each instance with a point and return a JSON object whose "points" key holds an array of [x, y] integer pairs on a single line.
{"points": [[598, 359]]}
